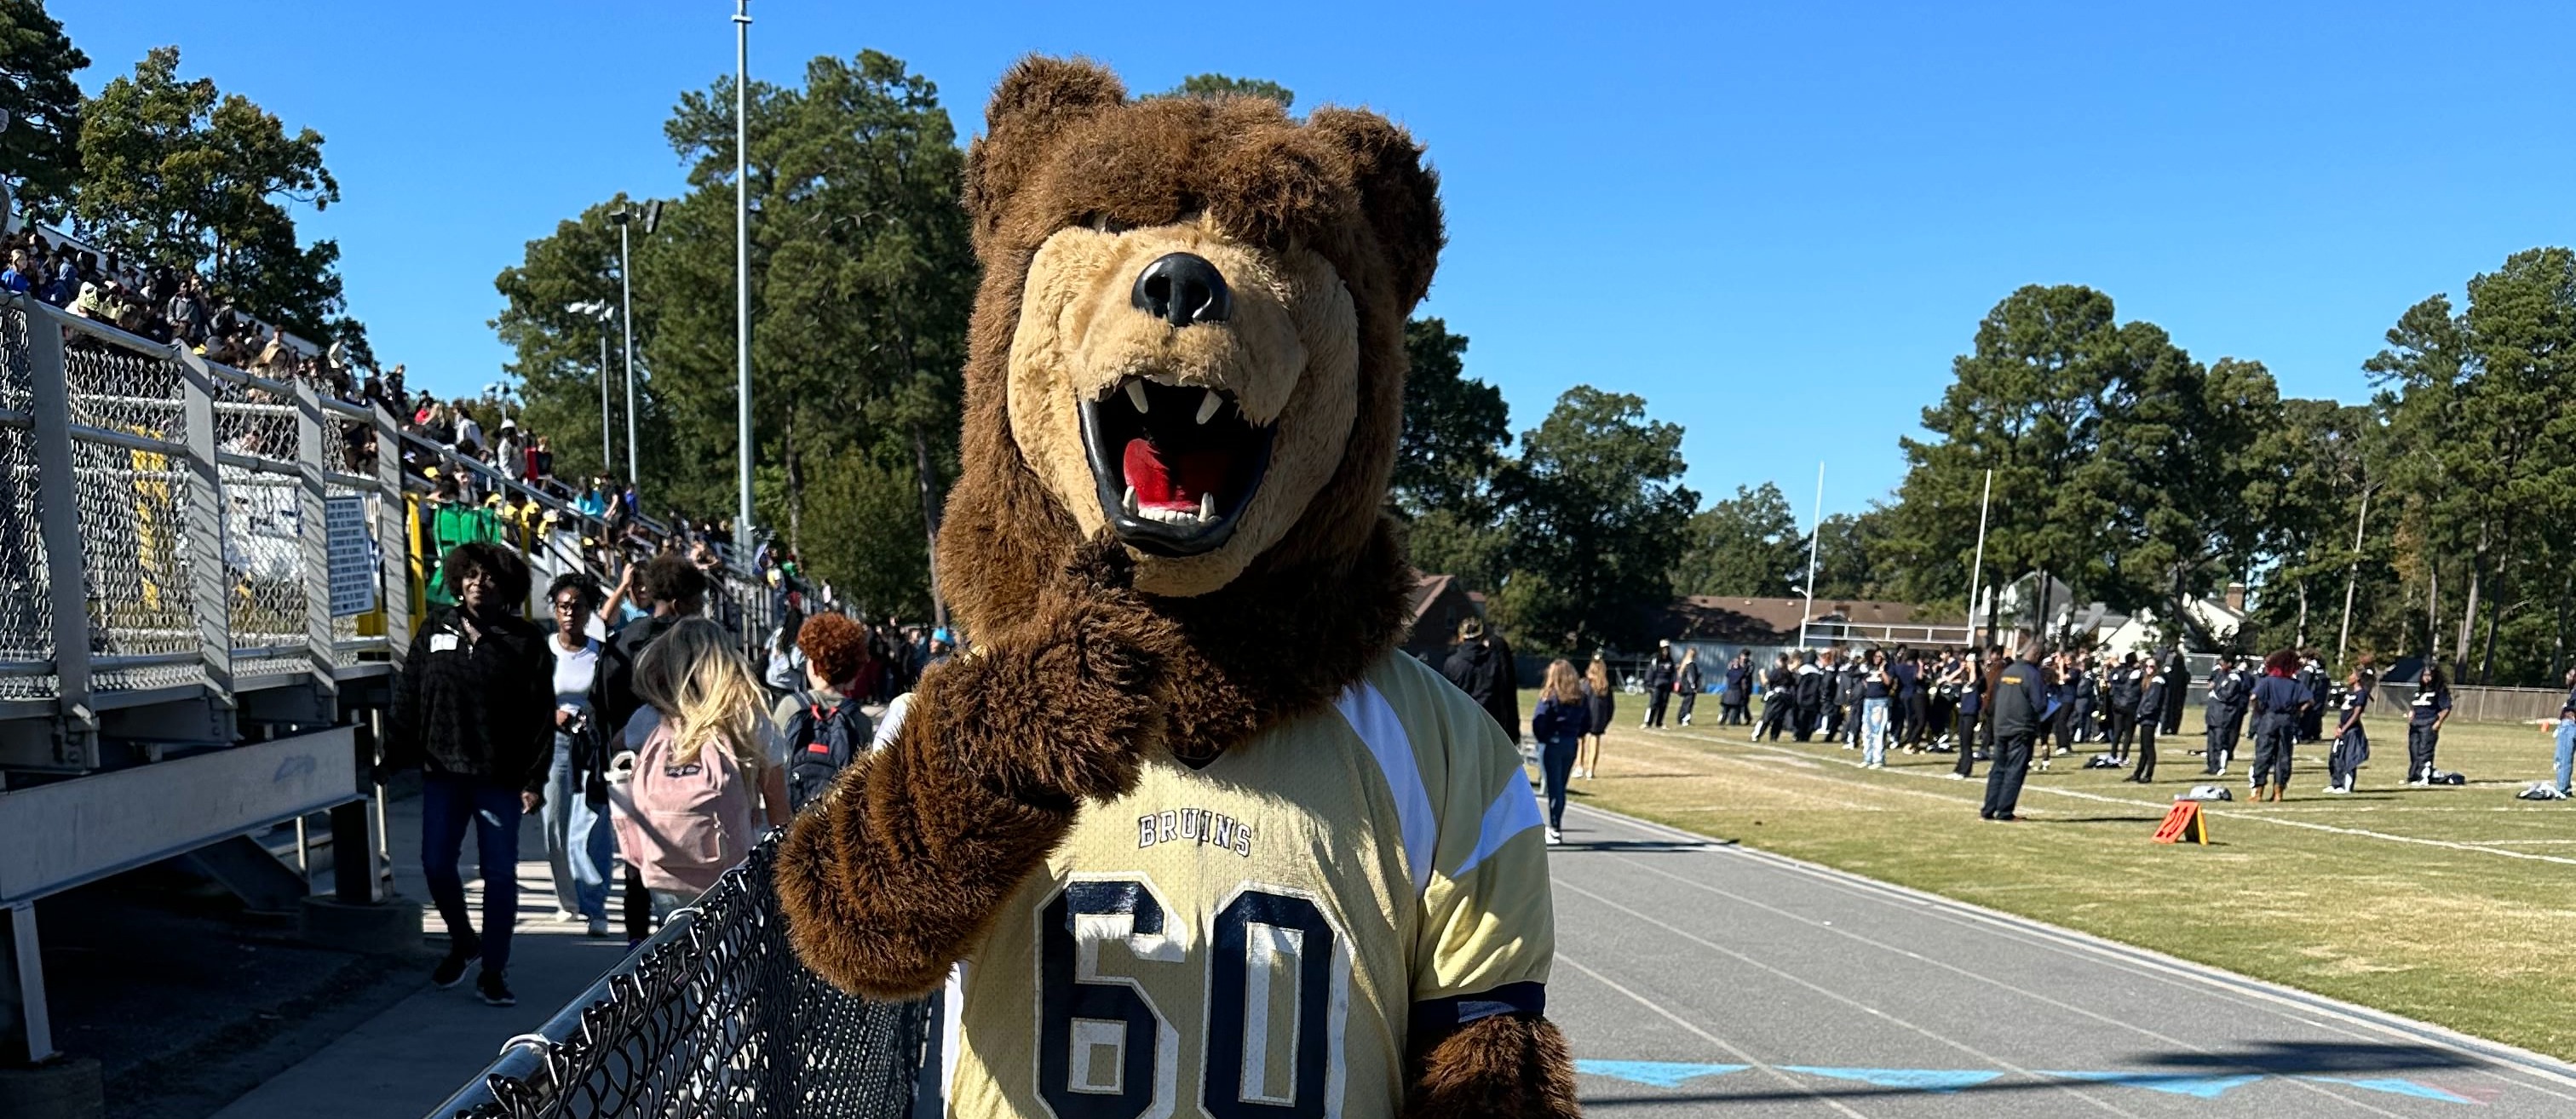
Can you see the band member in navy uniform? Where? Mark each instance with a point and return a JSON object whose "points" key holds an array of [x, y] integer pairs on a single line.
{"points": [[2351, 744], [2021, 701], [1738, 697], [2153, 698], [2424, 719], [2279, 702], [2177, 677]]}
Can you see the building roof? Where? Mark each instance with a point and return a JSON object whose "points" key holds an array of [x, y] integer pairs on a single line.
{"points": [[1773, 621], [1426, 590]]}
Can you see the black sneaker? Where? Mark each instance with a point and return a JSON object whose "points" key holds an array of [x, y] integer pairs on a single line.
{"points": [[451, 970], [495, 989]]}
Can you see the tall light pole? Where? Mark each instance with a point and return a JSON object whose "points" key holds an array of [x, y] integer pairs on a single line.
{"points": [[1815, 534], [742, 271], [601, 311], [624, 215], [2352, 572], [1978, 567]]}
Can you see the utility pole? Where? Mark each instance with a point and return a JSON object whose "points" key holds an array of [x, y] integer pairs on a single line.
{"points": [[742, 274]]}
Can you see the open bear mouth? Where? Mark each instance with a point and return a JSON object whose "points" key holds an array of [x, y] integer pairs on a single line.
{"points": [[1174, 466]]}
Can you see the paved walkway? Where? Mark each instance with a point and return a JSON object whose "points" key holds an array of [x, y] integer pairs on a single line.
{"points": [[412, 1057], [1696, 978]]}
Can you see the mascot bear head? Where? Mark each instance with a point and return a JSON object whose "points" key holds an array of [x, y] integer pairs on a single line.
{"points": [[1188, 350]]}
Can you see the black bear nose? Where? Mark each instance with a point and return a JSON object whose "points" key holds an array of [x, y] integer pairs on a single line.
{"points": [[1181, 289]]}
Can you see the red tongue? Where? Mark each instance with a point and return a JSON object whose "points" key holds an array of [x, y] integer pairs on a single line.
{"points": [[1159, 486]]}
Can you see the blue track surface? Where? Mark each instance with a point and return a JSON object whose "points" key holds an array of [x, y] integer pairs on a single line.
{"points": [[1698, 978]]}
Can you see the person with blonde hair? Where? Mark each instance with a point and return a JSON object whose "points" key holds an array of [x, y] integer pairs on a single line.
{"points": [[1559, 725], [703, 776], [1598, 700]]}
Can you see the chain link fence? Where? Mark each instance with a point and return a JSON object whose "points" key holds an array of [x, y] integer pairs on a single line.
{"points": [[712, 1018], [161, 532], [26, 611]]}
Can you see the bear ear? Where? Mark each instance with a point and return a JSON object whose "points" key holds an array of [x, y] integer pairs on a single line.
{"points": [[1035, 100], [1399, 196]]}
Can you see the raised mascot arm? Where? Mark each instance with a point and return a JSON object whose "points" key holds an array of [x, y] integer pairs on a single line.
{"points": [[897, 874]]}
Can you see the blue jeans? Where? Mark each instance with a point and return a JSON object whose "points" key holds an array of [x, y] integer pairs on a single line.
{"points": [[1873, 731], [1556, 767], [578, 842], [2566, 750], [447, 804]]}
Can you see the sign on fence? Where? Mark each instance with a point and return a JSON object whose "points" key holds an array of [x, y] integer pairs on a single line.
{"points": [[353, 555]]}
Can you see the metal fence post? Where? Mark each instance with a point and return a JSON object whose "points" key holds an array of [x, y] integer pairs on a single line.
{"points": [[209, 588], [313, 526], [393, 538], [58, 513]]}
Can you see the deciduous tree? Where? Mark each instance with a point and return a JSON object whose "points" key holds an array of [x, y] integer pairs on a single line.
{"points": [[39, 149], [178, 174], [1595, 511]]}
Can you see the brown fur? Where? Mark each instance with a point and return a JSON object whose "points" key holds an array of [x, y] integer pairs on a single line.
{"points": [[900, 871], [1506, 1065]]}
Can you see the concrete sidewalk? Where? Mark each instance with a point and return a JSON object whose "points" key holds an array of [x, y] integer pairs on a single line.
{"points": [[407, 1060]]}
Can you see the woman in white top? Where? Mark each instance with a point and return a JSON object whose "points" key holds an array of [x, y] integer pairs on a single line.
{"points": [[578, 843]]}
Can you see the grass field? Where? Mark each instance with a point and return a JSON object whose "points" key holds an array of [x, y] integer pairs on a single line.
{"points": [[2453, 905]]}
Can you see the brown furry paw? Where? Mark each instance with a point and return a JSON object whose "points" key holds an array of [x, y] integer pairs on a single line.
{"points": [[898, 873], [1508, 1065]]}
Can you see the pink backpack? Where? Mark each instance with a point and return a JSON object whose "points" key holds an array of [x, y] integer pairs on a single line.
{"points": [[684, 827]]}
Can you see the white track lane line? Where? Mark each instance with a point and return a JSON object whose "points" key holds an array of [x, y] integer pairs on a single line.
{"points": [[1731, 1049], [1991, 981], [1989, 1059], [2231, 814], [2496, 1058]]}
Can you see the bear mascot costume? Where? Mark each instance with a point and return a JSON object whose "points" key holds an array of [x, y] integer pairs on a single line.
{"points": [[1185, 834]]}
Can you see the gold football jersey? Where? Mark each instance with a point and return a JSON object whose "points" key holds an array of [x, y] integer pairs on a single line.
{"points": [[1256, 937]]}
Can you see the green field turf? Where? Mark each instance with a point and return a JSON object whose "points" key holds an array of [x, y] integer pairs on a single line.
{"points": [[2453, 905]]}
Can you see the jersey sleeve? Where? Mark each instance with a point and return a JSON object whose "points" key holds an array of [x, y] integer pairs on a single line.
{"points": [[1487, 930]]}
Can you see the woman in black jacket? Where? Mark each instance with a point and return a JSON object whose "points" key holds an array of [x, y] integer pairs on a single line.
{"points": [[474, 712]]}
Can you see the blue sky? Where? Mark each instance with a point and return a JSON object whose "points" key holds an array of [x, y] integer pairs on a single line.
{"points": [[1777, 223]]}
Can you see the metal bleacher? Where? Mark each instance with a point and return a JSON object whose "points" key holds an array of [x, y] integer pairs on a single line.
{"points": [[207, 581]]}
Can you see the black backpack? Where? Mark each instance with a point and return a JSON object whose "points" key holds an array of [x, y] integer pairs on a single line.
{"points": [[820, 744]]}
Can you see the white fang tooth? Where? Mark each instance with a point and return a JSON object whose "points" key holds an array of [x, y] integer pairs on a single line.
{"points": [[1136, 395], [1207, 506], [1133, 507], [1208, 407]]}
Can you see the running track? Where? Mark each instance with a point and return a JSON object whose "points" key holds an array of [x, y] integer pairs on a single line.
{"points": [[1695, 977]]}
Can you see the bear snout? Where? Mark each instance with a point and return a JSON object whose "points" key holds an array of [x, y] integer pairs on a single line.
{"points": [[1183, 289]]}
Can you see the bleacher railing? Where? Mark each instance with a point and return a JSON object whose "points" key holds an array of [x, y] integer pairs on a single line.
{"points": [[166, 528], [713, 1017]]}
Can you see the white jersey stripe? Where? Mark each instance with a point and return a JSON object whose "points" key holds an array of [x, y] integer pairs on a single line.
{"points": [[1375, 721], [1513, 812]]}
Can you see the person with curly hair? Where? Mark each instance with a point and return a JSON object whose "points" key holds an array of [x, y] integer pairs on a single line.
{"points": [[474, 711]]}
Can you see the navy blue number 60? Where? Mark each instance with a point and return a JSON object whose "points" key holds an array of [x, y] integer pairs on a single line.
{"points": [[1064, 997]]}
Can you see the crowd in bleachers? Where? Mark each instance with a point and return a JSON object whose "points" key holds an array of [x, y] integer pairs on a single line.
{"points": [[512, 473]]}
